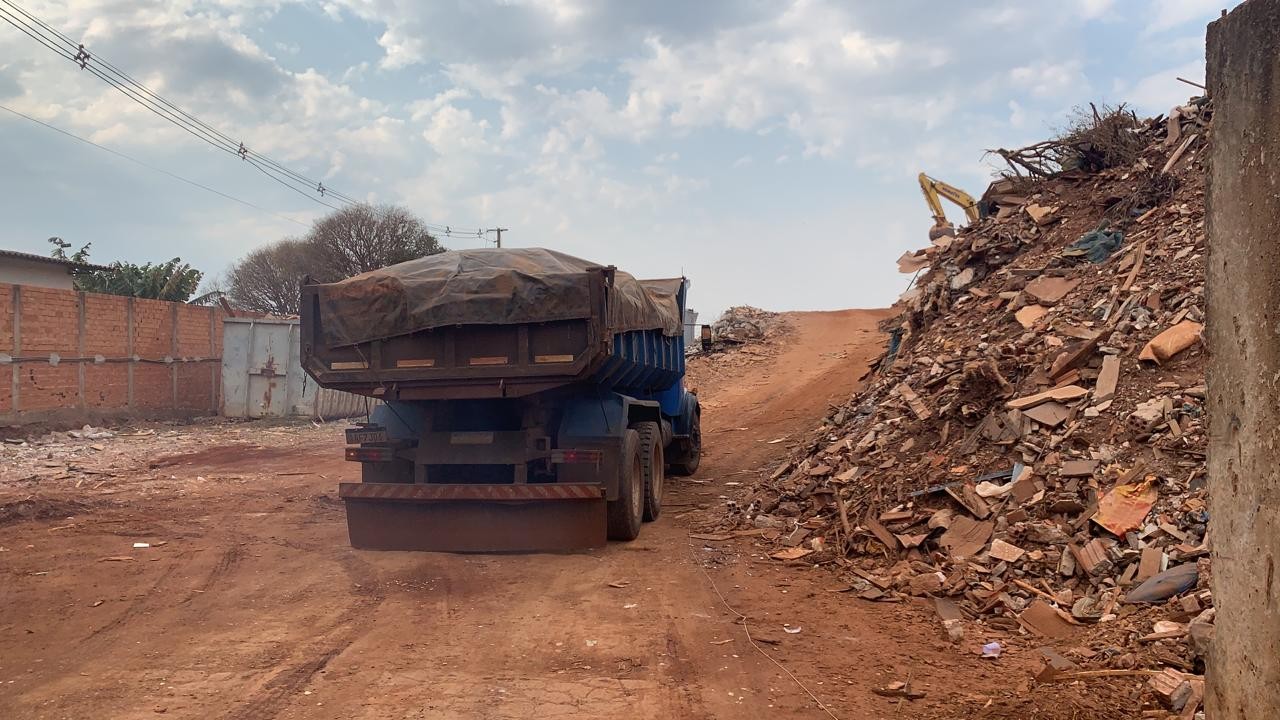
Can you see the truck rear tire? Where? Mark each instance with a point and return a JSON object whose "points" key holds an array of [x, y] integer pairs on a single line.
{"points": [[653, 465], [687, 462], [626, 514]]}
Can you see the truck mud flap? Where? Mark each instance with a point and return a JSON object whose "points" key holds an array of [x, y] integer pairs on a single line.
{"points": [[475, 518]]}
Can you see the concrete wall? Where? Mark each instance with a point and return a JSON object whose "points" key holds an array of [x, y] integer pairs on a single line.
{"points": [[80, 357], [17, 271], [1243, 331]]}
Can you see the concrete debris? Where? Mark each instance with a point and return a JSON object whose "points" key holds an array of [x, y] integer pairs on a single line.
{"points": [[1043, 619], [1171, 688], [1040, 473], [1060, 394], [1041, 215], [899, 689], [912, 263], [1030, 315], [744, 323], [1108, 378], [1007, 552], [1049, 290]]}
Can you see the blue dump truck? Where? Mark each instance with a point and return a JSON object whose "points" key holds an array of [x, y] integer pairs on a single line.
{"points": [[526, 399]]}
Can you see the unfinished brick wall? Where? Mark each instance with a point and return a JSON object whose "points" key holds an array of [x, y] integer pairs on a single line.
{"points": [[78, 355]]}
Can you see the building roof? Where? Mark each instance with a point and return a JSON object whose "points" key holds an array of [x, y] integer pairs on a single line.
{"points": [[31, 257]]}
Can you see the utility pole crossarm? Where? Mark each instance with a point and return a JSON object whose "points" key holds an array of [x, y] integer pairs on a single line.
{"points": [[498, 232]]}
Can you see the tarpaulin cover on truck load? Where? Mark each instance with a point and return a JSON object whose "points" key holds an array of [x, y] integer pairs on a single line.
{"points": [[487, 287]]}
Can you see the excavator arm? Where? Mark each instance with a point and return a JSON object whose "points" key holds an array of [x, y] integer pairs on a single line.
{"points": [[933, 189]]}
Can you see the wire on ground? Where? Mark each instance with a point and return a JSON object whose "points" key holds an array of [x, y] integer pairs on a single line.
{"points": [[747, 630]]}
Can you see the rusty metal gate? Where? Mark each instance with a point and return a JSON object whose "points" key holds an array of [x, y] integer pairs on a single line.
{"points": [[261, 376]]}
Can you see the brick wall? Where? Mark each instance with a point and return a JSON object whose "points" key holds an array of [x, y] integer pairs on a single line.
{"points": [[70, 355]]}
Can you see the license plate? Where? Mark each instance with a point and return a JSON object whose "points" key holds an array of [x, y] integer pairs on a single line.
{"points": [[357, 436]]}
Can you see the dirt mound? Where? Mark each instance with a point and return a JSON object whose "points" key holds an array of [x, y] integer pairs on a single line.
{"points": [[1030, 451], [39, 509]]}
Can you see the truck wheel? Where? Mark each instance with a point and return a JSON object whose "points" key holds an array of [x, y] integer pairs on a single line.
{"points": [[651, 461], [627, 512], [688, 461]]}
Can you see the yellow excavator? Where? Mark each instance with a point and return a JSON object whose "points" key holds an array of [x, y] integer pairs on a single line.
{"points": [[933, 189]]}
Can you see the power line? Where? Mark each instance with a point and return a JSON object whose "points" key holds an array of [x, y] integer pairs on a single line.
{"points": [[153, 102], [152, 167], [450, 231], [127, 91], [50, 37], [58, 42]]}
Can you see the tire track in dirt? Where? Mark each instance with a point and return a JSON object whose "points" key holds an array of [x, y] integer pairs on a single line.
{"points": [[687, 704], [274, 696], [226, 564], [146, 603], [285, 686], [270, 700]]}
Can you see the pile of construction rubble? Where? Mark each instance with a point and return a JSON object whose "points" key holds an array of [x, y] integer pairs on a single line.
{"points": [[743, 323], [77, 461], [1030, 452]]}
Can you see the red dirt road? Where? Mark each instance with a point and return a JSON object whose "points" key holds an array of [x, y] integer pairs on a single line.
{"points": [[256, 607]]}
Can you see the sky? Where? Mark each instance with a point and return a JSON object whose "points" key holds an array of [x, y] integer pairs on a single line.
{"points": [[766, 149]]}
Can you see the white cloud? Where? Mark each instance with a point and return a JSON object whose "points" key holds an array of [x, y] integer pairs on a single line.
{"points": [[1046, 79], [425, 108], [451, 130], [1017, 118], [563, 11], [356, 72], [1096, 8], [866, 51], [1159, 91], [1168, 14]]}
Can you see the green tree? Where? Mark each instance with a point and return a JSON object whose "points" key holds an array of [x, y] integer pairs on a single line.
{"points": [[173, 280]]}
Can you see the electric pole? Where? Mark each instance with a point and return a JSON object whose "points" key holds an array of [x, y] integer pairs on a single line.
{"points": [[499, 232]]}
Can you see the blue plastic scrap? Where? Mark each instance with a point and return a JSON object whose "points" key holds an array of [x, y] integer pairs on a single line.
{"points": [[1174, 581], [895, 340], [1095, 245]]}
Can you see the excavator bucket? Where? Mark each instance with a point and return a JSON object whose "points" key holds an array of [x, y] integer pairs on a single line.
{"points": [[475, 518]]}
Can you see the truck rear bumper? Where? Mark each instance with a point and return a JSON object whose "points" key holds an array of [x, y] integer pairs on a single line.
{"points": [[475, 518], [402, 492]]}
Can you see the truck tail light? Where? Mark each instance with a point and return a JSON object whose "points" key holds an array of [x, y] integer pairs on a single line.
{"points": [[370, 454], [590, 457]]}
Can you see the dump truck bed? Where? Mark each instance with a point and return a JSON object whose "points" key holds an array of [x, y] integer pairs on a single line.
{"points": [[488, 324]]}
